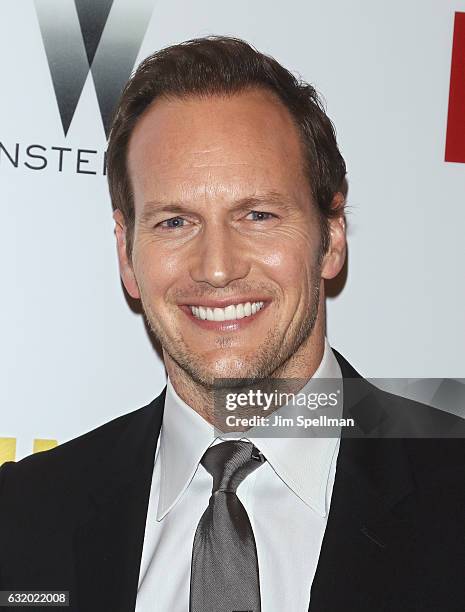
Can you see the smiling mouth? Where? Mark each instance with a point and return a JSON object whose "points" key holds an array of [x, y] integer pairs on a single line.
{"points": [[232, 312]]}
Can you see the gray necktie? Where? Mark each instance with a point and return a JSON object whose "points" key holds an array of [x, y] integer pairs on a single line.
{"points": [[224, 570]]}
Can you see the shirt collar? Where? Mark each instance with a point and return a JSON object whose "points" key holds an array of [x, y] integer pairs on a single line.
{"points": [[302, 463]]}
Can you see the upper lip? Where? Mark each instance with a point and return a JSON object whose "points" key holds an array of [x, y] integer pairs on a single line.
{"points": [[224, 302]]}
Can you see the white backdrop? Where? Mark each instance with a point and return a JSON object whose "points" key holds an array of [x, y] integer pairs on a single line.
{"points": [[73, 355]]}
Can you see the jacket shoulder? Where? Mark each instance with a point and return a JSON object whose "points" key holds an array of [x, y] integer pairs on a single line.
{"points": [[60, 468], [432, 438]]}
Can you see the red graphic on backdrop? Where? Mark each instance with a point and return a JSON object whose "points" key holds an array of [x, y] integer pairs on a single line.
{"points": [[455, 137]]}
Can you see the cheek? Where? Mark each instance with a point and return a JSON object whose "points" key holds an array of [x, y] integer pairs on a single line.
{"points": [[291, 263], [156, 271]]}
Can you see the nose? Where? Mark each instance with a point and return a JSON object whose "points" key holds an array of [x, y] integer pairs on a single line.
{"points": [[218, 256]]}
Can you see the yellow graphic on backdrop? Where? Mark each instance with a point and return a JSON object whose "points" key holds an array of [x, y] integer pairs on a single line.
{"points": [[8, 447], [43, 445]]}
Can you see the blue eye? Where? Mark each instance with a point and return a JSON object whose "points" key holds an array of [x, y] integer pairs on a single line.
{"points": [[173, 219], [178, 222], [260, 212]]}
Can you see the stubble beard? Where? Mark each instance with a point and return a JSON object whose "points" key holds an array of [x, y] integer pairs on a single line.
{"points": [[266, 361]]}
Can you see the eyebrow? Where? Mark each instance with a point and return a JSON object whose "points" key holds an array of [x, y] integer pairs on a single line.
{"points": [[274, 198]]}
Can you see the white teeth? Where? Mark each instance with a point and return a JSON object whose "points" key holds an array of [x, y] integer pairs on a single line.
{"points": [[218, 314], [230, 313]]}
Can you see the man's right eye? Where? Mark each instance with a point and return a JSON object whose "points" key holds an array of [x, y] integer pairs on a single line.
{"points": [[170, 221]]}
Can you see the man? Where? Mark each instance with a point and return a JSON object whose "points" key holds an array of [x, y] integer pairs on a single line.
{"points": [[227, 188]]}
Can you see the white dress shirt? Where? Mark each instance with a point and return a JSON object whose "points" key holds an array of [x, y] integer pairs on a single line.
{"points": [[287, 500]]}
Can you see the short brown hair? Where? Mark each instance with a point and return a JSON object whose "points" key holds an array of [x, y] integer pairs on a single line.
{"points": [[224, 65]]}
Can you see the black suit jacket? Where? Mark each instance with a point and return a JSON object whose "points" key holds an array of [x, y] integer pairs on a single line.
{"points": [[73, 518]]}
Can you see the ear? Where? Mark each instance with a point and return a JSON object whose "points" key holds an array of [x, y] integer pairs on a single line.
{"points": [[125, 266], [334, 259]]}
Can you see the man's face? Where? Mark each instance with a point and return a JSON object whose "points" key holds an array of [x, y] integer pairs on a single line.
{"points": [[223, 215]]}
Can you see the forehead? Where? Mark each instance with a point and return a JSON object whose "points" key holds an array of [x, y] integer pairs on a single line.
{"points": [[235, 143]]}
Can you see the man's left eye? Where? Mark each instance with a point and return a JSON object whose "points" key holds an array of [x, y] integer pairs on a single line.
{"points": [[261, 215]]}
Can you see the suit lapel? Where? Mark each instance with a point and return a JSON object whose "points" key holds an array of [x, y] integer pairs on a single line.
{"points": [[367, 533], [108, 542]]}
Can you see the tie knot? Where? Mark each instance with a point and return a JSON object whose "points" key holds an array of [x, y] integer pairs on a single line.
{"points": [[230, 462]]}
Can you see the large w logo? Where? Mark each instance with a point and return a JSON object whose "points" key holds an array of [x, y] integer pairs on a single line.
{"points": [[102, 37]]}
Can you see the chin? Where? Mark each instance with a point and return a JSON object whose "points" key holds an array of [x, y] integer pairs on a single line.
{"points": [[223, 370], [227, 371]]}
